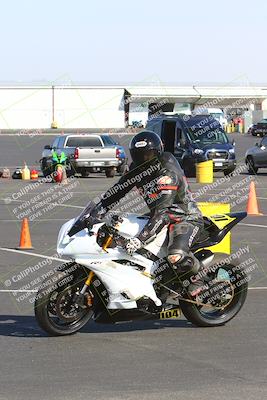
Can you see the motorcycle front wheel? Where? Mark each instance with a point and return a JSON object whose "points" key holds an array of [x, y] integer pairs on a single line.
{"points": [[221, 299], [54, 309]]}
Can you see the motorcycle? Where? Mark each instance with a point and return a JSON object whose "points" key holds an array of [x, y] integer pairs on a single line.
{"points": [[104, 284], [59, 166]]}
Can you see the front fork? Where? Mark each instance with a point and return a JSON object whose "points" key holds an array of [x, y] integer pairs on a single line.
{"points": [[78, 298], [87, 282]]}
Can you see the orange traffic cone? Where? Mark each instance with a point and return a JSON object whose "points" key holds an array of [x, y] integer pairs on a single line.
{"points": [[25, 237], [252, 206]]}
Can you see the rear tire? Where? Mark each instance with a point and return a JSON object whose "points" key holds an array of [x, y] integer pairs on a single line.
{"points": [[110, 172], [85, 173], [123, 169], [198, 317], [189, 168]]}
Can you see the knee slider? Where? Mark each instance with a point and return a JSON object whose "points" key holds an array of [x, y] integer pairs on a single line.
{"points": [[184, 262], [177, 257]]}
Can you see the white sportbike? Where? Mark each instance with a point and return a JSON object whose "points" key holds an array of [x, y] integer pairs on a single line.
{"points": [[104, 284]]}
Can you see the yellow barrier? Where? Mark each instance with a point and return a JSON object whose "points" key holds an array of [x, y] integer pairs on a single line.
{"points": [[209, 209], [54, 125], [229, 128], [204, 172]]}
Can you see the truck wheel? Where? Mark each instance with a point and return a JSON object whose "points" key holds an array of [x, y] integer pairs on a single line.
{"points": [[189, 168], [85, 173], [123, 169], [110, 172]]}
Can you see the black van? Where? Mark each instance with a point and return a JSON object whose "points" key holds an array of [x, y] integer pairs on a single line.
{"points": [[193, 139]]}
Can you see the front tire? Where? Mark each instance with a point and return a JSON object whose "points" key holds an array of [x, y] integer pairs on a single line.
{"points": [[53, 301], [215, 315], [252, 170]]}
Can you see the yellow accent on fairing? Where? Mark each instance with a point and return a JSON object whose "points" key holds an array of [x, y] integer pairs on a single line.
{"points": [[217, 213]]}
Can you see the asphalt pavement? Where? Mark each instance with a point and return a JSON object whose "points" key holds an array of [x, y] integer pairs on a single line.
{"points": [[152, 360]]}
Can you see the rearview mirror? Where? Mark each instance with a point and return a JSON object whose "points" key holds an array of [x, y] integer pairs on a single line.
{"points": [[257, 144], [47, 147]]}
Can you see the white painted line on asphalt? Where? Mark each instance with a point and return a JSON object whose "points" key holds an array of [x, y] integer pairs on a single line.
{"points": [[33, 254], [258, 288], [258, 226], [67, 205]]}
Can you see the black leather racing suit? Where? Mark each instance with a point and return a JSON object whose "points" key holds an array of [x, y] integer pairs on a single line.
{"points": [[163, 186]]}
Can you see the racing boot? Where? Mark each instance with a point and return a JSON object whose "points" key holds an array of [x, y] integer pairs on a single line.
{"points": [[187, 266]]}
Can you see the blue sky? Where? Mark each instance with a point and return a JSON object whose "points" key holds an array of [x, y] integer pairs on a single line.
{"points": [[140, 41]]}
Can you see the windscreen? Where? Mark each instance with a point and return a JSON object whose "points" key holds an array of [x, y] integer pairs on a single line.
{"points": [[80, 221], [205, 130], [83, 141]]}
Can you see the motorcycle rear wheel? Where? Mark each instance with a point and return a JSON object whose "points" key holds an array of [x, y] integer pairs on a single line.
{"points": [[53, 301], [233, 285]]}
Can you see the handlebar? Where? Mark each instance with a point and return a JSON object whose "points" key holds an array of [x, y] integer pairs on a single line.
{"points": [[116, 220]]}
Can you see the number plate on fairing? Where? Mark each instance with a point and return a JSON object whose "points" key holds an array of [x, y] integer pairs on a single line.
{"points": [[173, 313]]}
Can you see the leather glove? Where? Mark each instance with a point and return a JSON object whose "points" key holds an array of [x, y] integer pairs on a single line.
{"points": [[132, 245]]}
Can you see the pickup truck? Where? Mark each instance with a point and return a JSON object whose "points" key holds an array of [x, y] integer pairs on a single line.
{"points": [[86, 153]]}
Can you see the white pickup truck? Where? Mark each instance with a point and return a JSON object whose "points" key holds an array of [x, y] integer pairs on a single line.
{"points": [[86, 153]]}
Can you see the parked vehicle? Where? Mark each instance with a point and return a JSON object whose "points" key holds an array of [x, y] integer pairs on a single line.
{"points": [[137, 124], [105, 284], [193, 139], [258, 129], [256, 156], [216, 113], [86, 153], [121, 154]]}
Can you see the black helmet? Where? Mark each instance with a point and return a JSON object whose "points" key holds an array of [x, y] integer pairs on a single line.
{"points": [[145, 146]]}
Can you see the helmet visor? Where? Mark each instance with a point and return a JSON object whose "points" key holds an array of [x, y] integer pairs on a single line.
{"points": [[140, 156]]}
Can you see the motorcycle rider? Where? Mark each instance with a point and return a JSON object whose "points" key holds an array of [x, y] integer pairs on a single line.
{"points": [[163, 185]]}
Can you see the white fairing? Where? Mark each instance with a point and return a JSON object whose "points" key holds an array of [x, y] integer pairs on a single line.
{"points": [[117, 278]]}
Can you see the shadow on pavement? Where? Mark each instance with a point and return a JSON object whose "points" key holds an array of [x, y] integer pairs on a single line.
{"points": [[254, 175], [26, 326]]}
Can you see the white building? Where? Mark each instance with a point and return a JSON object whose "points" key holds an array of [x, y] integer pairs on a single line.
{"points": [[107, 107]]}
